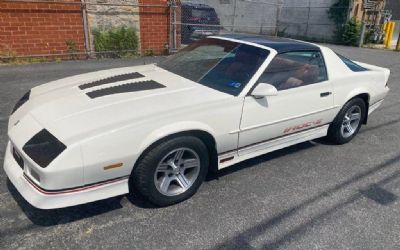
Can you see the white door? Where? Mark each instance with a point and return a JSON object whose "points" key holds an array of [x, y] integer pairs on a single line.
{"points": [[304, 100]]}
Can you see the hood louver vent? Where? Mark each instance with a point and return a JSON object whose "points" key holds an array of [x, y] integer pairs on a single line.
{"points": [[125, 88], [112, 79]]}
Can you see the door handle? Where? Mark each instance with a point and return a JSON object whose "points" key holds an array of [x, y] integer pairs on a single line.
{"points": [[325, 94]]}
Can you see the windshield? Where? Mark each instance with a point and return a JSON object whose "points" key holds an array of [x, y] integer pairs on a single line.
{"points": [[219, 64]]}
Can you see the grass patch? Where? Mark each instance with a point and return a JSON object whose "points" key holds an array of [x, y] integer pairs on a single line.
{"points": [[117, 42]]}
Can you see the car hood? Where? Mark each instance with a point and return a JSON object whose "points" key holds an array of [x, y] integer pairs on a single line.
{"points": [[85, 105]]}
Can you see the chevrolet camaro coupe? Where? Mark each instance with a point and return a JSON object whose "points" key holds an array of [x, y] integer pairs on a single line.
{"points": [[158, 129]]}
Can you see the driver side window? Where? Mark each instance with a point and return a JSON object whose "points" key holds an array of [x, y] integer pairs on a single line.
{"points": [[295, 69]]}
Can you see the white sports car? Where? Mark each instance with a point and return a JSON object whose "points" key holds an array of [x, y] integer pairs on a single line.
{"points": [[158, 129]]}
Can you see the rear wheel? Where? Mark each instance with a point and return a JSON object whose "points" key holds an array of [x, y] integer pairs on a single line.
{"points": [[348, 122], [172, 171]]}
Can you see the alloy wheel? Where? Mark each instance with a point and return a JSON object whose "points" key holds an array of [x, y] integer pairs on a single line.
{"points": [[351, 121], [177, 171]]}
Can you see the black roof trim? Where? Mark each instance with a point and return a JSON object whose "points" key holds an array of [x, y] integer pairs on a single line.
{"points": [[125, 88], [279, 44]]}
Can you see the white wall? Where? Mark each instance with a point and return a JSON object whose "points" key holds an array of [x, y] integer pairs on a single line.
{"points": [[298, 18], [307, 18]]}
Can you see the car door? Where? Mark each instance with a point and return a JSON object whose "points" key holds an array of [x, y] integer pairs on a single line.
{"points": [[304, 100]]}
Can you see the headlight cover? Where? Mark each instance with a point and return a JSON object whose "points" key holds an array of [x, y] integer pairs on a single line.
{"points": [[21, 101], [43, 148]]}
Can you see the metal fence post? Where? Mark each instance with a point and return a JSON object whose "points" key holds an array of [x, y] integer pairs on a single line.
{"points": [[349, 8], [85, 27], [278, 16], [308, 18], [173, 33], [362, 35], [234, 16]]}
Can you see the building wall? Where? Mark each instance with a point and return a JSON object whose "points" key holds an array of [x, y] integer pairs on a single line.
{"points": [[394, 7], [44, 28], [254, 17], [106, 17], [307, 19], [370, 18], [109, 16], [39, 28], [154, 27], [358, 9]]}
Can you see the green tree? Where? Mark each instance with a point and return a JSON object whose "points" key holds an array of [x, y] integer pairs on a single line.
{"points": [[352, 32], [338, 13]]}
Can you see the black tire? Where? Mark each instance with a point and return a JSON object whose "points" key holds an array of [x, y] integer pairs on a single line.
{"points": [[143, 175], [334, 132]]}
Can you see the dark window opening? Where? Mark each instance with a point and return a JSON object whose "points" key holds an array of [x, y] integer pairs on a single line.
{"points": [[351, 65], [223, 65], [295, 69]]}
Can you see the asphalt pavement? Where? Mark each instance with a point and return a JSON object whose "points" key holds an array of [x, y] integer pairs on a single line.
{"points": [[310, 196]]}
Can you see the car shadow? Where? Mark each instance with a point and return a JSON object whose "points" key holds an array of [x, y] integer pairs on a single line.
{"points": [[253, 162], [138, 200], [374, 192], [54, 217], [363, 129], [70, 214]]}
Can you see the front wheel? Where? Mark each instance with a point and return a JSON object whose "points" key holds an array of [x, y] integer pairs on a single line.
{"points": [[172, 171], [348, 122]]}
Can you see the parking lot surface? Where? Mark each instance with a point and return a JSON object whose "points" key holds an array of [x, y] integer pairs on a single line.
{"points": [[309, 196]]}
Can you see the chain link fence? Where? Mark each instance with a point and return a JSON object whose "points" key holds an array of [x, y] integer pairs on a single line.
{"points": [[76, 29], [123, 28], [200, 18], [307, 20]]}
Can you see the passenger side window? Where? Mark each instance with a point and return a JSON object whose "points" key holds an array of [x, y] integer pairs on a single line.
{"points": [[295, 69]]}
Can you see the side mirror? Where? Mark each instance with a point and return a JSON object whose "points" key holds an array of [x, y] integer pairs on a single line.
{"points": [[264, 89]]}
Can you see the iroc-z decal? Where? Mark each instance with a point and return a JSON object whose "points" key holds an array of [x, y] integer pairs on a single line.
{"points": [[302, 126]]}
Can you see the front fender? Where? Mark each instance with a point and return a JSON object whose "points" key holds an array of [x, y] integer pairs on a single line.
{"points": [[125, 146], [174, 128]]}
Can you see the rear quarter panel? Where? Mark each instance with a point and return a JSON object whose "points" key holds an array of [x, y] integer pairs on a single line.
{"points": [[348, 84]]}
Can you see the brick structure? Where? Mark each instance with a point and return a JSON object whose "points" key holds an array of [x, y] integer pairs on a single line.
{"points": [[154, 26], [40, 28], [28, 28]]}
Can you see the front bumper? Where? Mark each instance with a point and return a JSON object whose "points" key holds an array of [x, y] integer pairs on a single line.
{"points": [[48, 199]]}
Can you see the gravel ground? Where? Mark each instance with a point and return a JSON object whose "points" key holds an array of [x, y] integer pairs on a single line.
{"points": [[310, 196]]}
